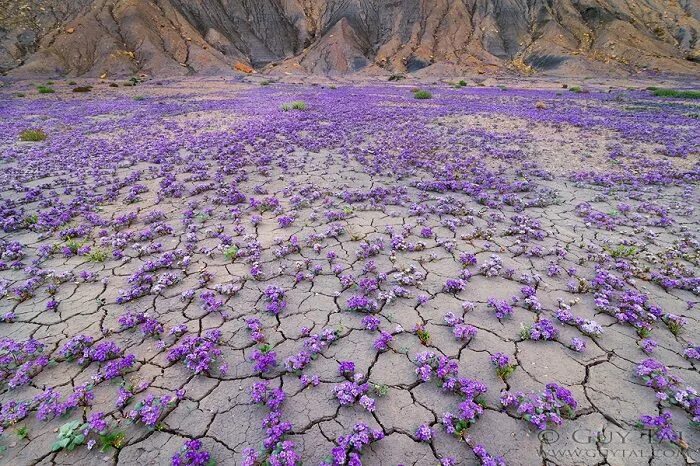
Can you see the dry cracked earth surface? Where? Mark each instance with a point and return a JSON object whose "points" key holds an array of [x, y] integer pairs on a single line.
{"points": [[199, 271]]}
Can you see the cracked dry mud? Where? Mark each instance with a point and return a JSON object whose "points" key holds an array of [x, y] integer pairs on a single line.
{"points": [[392, 200]]}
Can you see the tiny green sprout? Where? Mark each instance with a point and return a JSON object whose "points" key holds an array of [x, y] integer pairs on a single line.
{"points": [[231, 253], [22, 432], [380, 389], [97, 255]]}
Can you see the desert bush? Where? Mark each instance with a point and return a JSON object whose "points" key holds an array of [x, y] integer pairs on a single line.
{"points": [[679, 94], [32, 135], [422, 94], [296, 105]]}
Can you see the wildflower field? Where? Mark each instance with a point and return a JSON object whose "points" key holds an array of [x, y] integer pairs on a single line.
{"points": [[207, 272]]}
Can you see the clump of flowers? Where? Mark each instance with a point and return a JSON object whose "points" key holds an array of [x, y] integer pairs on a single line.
{"points": [[198, 353], [313, 345], [648, 345], [661, 426], [274, 296], [542, 330], [371, 322], [444, 370], [669, 387], [382, 341], [578, 345], [692, 352], [350, 446], [361, 303], [675, 323], [265, 359], [504, 367], [151, 409], [541, 409], [20, 361], [588, 327], [485, 458], [192, 454], [461, 331], [424, 433], [353, 391], [275, 450], [502, 308], [454, 285]]}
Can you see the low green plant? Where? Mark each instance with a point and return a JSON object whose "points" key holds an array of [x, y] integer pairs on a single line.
{"points": [[45, 89], [97, 255], [380, 389], [231, 252], [32, 135], [679, 94], [139, 97], [22, 432], [70, 436], [296, 105], [73, 245], [623, 251], [506, 371], [575, 89], [422, 94]]}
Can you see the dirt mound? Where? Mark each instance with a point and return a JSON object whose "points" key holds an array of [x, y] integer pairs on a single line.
{"points": [[177, 37]]}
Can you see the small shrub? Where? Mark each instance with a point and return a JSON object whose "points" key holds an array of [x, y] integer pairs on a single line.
{"points": [[45, 90], [82, 89], [231, 253], [97, 255], [20, 94], [575, 89], [32, 135], [72, 83], [396, 77], [296, 105], [139, 98], [463, 83], [422, 94], [677, 94], [113, 85]]}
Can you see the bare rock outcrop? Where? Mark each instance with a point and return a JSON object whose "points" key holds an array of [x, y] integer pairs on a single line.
{"points": [[176, 37]]}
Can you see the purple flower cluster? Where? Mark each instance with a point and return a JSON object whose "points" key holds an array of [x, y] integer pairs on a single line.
{"points": [[541, 409], [20, 361], [274, 296], [361, 303], [504, 368], [151, 409], [485, 459], [275, 451], [349, 449], [661, 426], [588, 327], [541, 330], [191, 454], [461, 331], [352, 391], [198, 353], [502, 308], [313, 345]]}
